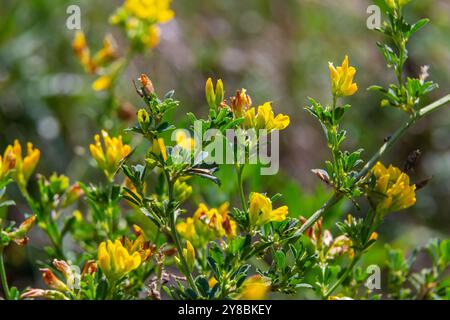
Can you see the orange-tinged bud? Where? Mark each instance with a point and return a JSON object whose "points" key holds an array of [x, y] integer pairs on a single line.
{"points": [[40, 293], [72, 195], [90, 267], [52, 281], [241, 102], [147, 84], [63, 267]]}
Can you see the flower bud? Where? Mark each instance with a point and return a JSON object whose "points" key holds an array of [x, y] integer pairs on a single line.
{"points": [[159, 148], [384, 103], [241, 102], [147, 85], [219, 92], [18, 235], [210, 95], [90, 267], [63, 267], [40, 293], [144, 119], [52, 281], [189, 255], [72, 194], [7, 163], [79, 43]]}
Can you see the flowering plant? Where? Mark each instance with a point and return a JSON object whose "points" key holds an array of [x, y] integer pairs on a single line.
{"points": [[136, 232]]}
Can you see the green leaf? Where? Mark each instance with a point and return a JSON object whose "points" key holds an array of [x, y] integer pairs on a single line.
{"points": [[418, 25], [202, 285], [280, 259]]}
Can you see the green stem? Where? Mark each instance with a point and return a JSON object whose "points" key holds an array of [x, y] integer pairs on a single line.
{"points": [[175, 236], [239, 170], [336, 197], [344, 276], [56, 241], [3, 275]]}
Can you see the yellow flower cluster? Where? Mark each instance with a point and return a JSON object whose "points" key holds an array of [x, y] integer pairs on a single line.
{"points": [[108, 158], [157, 11], [141, 18], [24, 165], [207, 225], [393, 189], [265, 119], [342, 79], [116, 261], [261, 212]]}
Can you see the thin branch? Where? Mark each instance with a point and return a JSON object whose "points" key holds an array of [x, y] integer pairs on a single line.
{"points": [[336, 197]]}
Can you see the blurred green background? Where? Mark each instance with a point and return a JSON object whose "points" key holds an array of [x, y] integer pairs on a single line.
{"points": [[278, 50]]}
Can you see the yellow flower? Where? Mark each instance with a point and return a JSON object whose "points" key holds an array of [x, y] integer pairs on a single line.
{"points": [[265, 119], [152, 37], [139, 245], [81, 49], [207, 225], [24, 166], [7, 163], [393, 189], [155, 11], [107, 52], [108, 159], [102, 83], [115, 261], [187, 230], [212, 282], [184, 141], [255, 288], [159, 148], [261, 212], [342, 79], [189, 255]]}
